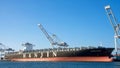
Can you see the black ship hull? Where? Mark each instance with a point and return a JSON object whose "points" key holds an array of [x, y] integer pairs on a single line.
{"points": [[63, 54]]}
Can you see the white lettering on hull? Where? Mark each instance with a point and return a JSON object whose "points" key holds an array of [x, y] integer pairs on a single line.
{"points": [[29, 55], [24, 55], [54, 53], [35, 55], [47, 54], [41, 54]]}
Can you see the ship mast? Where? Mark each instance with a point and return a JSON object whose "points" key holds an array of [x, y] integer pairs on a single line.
{"points": [[115, 26]]}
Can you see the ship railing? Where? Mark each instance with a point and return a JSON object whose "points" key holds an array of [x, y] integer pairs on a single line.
{"points": [[100, 47], [55, 49], [83, 48], [12, 53], [63, 49], [91, 47], [71, 49], [60, 49], [77, 48], [51, 50], [45, 50], [67, 49]]}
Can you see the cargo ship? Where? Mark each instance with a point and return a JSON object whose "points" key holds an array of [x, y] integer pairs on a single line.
{"points": [[90, 54], [61, 52]]}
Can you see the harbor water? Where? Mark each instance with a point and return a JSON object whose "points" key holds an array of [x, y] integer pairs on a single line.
{"points": [[7, 64]]}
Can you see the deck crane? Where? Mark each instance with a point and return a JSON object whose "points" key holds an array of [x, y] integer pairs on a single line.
{"points": [[52, 40], [115, 26], [2, 47]]}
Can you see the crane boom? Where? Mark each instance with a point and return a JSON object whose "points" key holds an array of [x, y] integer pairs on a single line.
{"points": [[52, 41], [46, 34], [112, 18]]}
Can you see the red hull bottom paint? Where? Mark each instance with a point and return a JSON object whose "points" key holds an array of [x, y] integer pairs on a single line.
{"points": [[82, 59]]}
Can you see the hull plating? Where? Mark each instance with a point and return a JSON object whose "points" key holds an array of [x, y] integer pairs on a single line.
{"points": [[82, 59]]}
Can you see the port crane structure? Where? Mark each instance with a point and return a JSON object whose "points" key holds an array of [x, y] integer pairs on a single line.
{"points": [[51, 39], [27, 46], [4, 49], [115, 26]]}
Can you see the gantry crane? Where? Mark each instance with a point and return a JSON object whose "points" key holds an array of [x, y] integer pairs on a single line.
{"points": [[115, 26], [3, 50], [2, 47], [27, 46], [52, 40]]}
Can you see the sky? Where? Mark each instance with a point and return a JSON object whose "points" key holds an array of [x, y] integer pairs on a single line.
{"points": [[77, 22]]}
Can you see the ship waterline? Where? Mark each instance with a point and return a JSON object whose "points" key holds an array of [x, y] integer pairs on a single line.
{"points": [[74, 59]]}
